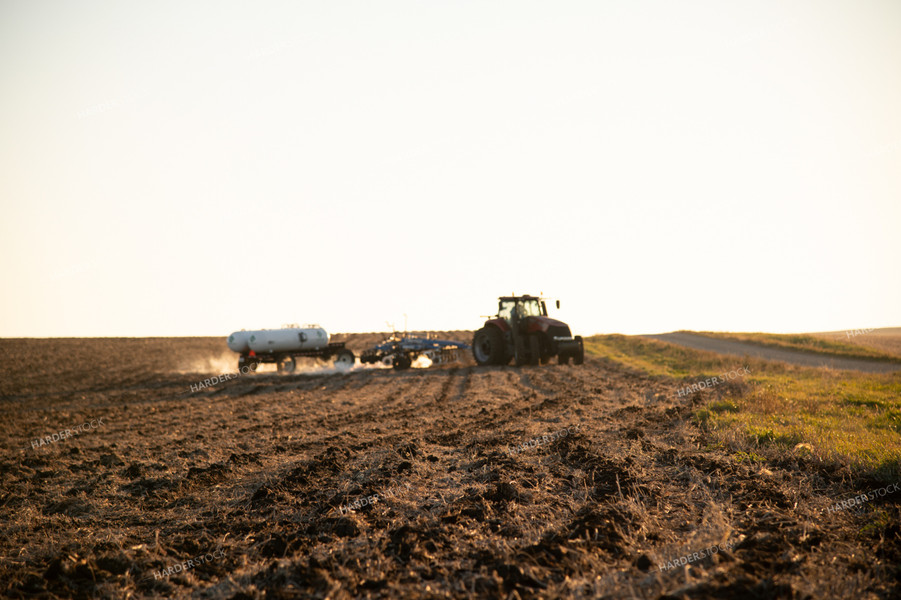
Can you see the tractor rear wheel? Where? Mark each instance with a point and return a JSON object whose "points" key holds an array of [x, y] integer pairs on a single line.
{"points": [[534, 350], [488, 346], [563, 359]]}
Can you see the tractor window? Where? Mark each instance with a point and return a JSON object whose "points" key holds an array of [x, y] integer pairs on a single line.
{"points": [[505, 311], [529, 308]]}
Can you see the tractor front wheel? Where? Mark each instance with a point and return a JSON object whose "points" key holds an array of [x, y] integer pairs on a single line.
{"points": [[520, 357], [579, 356], [488, 346], [534, 350]]}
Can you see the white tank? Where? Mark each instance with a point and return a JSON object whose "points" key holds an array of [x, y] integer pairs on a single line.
{"points": [[239, 341], [287, 339]]}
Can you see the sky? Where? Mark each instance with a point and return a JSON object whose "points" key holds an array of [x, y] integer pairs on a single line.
{"points": [[195, 168]]}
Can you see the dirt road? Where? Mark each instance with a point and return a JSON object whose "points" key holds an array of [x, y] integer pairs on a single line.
{"points": [[553, 481], [808, 359]]}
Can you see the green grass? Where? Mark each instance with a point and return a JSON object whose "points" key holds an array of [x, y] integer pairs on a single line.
{"points": [[647, 355], [748, 457], [804, 343], [843, 417]]}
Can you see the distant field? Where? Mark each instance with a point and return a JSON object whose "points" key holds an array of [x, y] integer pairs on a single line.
{"points": [[879, 344], [887, 340]]}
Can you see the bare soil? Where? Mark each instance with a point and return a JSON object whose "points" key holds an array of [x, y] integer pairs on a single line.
{"points": [[259, 469]]}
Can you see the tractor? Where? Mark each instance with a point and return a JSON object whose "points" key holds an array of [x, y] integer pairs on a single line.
{"points": [[522, 331]]}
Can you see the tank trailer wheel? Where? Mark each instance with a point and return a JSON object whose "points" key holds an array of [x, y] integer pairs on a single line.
{"points": [[286, 365], [247, 365], [344, 360], [488, 346]]}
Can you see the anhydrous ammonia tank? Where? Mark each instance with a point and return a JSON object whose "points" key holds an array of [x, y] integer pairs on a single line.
{"points": [[288, 339], [239, 341]]}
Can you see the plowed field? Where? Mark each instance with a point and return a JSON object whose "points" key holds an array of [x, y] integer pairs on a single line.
{"points": [[456, 481]]}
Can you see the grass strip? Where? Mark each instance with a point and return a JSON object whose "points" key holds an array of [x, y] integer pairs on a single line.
{"points": [[847, 418]]}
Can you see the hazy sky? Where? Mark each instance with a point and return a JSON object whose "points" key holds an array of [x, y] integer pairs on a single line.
{"points": [[192, 168]]}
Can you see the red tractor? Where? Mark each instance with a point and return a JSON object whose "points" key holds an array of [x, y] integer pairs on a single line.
{"points": [[521, 330]]}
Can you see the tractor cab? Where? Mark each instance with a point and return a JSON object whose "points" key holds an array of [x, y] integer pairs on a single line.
{"points": [[516, 308]]}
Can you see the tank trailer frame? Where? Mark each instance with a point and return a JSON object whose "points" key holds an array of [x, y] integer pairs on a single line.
{"points": [[287, 361]]}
